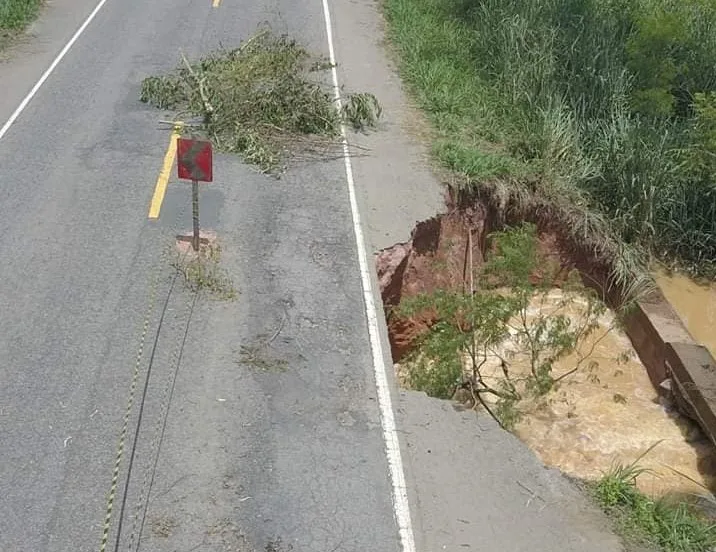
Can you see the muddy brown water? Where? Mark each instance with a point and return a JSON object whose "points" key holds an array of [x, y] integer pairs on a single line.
{"points": [[609, 414], [695, 303]]}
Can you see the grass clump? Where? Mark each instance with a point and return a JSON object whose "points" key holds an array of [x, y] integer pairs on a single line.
{"points": [[264, 100], [258, 357], [603, 109], [669, 525], [15, 16], [202, 272]]}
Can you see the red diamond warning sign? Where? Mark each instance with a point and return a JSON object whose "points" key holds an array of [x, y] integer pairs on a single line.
{"points": [[194, 159]]}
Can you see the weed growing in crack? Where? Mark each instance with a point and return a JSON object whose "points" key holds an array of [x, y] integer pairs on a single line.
{"points": [[202, 272], [276, 545], [163, 526], [260, 100], [259, 358], [258, 355]]}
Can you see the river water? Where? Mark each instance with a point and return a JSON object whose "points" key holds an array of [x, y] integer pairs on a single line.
{"points": [[695, 303], [609, 413]]}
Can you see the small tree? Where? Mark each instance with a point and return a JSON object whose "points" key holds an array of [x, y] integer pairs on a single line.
{"points": [[473, 329]]}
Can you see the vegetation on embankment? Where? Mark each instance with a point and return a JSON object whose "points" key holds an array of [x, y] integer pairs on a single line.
{"points": [[15, 16], [604, 110], [665, 524]]}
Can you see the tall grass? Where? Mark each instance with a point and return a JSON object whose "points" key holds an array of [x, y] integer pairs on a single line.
{"points": [[666, 524], [16, 14], [590, 100]]}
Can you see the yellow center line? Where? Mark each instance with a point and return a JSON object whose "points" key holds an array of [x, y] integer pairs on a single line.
{"points": [[160, 188], [215, 3]]}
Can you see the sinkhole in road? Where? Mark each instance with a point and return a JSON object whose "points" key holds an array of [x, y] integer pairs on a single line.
{"points": [[604, 411]]}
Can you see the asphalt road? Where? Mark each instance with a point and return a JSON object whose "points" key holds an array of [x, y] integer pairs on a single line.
{"points": [[247, 456]]}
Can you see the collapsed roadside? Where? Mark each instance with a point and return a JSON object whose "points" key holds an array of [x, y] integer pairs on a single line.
{"points": [[523, 133]]}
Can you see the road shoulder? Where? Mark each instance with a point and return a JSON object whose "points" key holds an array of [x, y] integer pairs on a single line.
{"points": [[27, 57], [472, 486]]}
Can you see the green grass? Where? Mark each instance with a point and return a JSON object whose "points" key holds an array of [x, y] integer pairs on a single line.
{"points": [[668, 525], [607, 105], [202, 272], [444, 81], [15, 16]]}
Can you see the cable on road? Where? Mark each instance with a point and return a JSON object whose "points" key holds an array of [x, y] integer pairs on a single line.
{"points": [[148, 482], [153, 290], [151, 306], [141, 409]]}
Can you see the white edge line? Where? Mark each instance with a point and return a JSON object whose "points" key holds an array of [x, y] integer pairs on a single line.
{"points": [[385, 403], [390, 435], [49, 70]]}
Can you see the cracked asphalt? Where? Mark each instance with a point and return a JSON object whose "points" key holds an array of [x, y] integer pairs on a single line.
{"points": [[260, 428]]}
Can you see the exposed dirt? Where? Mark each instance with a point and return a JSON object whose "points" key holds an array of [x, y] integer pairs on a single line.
{"points": [[438, 256], [434, 258]]}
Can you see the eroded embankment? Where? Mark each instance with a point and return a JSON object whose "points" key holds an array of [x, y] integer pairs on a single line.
{"points": [[608, 413]]}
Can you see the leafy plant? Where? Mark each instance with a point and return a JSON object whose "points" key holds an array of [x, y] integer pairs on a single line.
{"points": [[506, 412], [502, 323], [361, 110]]}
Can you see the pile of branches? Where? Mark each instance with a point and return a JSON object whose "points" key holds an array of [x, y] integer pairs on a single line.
{"points": [[265, 100]]}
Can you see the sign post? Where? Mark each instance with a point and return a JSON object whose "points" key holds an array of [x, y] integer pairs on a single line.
{"points": [[195, 213], [195, 163]]}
